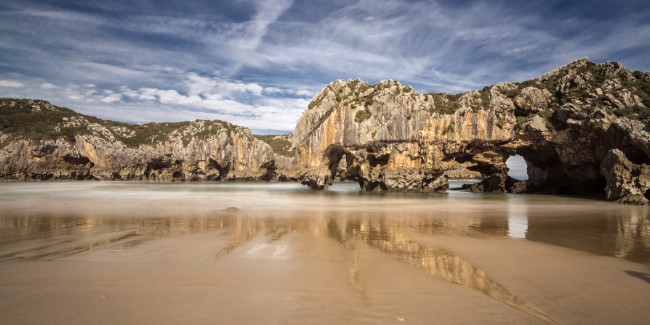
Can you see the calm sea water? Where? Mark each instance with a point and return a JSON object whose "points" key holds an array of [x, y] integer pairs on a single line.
{"points": [[48, 220]]}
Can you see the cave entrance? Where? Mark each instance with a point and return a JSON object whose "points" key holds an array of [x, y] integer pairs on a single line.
{"points": [[517, 168]]}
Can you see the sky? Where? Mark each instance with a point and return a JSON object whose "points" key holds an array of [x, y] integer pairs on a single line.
{"points": [[258, 63]]}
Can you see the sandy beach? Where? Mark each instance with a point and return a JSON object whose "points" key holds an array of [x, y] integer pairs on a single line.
{"points": [[238, 265]]}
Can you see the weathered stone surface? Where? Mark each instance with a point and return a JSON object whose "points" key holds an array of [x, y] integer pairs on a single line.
{"points": [[537, 124], [377, 131], [626, 182], [384, 136], [81, 147], [414, 180], [532, 99], [387, 136], [515, 186]]}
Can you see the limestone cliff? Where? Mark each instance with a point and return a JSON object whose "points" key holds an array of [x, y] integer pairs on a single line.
{"points": [[564, 123], [582, 129], [40, 141]]}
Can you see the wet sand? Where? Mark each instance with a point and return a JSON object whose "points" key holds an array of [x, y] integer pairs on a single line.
{"points": [[156, 254]]}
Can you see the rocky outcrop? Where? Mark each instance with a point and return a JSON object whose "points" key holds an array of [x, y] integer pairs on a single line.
{"points": [[581, 128], [40, 141], [388, 136], [626, 181], [282, 156]]}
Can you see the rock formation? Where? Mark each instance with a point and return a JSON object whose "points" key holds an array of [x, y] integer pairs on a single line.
{"points": [[581, 128], [40, 141]]}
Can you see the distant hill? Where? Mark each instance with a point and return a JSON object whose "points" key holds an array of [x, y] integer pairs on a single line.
{"points": [[41, 141]]}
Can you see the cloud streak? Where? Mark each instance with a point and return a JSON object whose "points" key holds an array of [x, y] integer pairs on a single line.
{"points": [[11, 84], [257, 63]]}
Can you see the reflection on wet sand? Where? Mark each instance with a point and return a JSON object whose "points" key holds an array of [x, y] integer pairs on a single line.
{"points": [[611, 234], [243, 230], [48, 236], [42, 211], [435, 261], [380, 234]]}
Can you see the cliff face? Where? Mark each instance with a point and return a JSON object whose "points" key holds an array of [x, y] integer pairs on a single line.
{"points": [[581, 129], [40, 141]]}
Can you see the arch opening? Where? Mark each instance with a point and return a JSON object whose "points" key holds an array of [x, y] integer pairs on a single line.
{"points": [[517, 168], [340, 164], [517, 178]]}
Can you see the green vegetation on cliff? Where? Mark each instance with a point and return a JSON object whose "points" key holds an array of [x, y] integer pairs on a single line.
{"points": [[362, 115], [586, 85], [281, 144], [21, 120], [39, 120]]}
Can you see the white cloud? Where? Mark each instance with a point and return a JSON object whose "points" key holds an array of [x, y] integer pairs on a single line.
{"points": [[267, 13], [253, 88], [198, 85], [11, 84], [48, 86], [112, 98], [244, 103]]}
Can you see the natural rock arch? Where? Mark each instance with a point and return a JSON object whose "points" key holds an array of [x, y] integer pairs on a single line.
{"points": [[581, 129]]}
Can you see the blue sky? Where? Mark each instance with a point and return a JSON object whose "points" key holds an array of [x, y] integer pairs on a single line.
{"points": [[257, 63]]}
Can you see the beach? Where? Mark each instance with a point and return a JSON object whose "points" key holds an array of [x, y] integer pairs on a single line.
{"points": [[105, 253]]}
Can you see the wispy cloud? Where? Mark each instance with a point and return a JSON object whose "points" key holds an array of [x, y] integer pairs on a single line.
{"points": [[258, 62], [48, 86]]}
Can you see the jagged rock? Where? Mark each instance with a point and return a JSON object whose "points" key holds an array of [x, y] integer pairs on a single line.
{"points": [[518, 187], [414, 180], [379, 130], [626, 182], [613, 101], [71, 146], [570, 114], [631, 136], [386, 135], [316, 179], [537, 124], [532, 100]]}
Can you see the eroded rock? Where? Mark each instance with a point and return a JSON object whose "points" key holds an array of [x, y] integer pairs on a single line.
{"points": [[71, 146], [532, 100], [626, 182], [388, 136]]}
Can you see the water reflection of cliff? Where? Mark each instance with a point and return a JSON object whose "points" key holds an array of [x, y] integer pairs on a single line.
{"points": [[437, 262], [626, 236], [620, 231]]}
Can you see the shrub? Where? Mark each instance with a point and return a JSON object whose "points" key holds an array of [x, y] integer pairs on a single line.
{"points": [[449, 128], [279, 143], [362, 115]]}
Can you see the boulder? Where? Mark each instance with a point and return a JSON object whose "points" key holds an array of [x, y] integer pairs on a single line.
{"points": [[626, 182], [531, 100]]}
